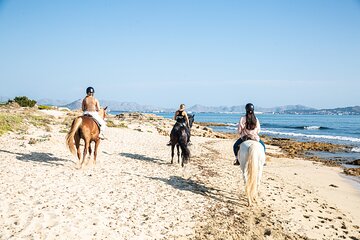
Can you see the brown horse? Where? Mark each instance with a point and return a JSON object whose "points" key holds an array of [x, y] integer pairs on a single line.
{"points": [[84, 127]]}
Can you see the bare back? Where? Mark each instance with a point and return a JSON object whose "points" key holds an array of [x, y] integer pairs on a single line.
{"points": [[90, 104]]}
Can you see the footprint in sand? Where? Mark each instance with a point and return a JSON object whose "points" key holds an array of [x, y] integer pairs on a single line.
{"points": [[50, 220]]}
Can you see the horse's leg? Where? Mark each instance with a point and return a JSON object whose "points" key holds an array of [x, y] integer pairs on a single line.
{"points": [[87, 144], [97, 142], [172, 152], [77, 145], [249, 201], [178, 152], [182, 156], [261, 161], [90, 150]]}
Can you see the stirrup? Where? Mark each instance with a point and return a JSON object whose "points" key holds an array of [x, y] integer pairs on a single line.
{"points": [[236, 163]]}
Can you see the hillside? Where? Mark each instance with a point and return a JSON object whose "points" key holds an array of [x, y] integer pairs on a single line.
{"points": [[118, 106], [355, 110], [135, 107]]}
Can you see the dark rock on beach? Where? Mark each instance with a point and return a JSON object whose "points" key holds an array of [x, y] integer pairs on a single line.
{"points": [[308, 150], [355, 162]]}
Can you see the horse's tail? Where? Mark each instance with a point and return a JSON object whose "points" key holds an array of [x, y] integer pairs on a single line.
{"points": [[252, 172], [184, 149], [70, 136]]}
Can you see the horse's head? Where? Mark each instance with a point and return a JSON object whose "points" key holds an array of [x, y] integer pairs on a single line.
{"points": [[102, 112], [191, 119]]}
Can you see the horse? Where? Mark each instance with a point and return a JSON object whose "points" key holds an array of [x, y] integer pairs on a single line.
{"points": [[84, 127], [252, 159], [179, 138]]}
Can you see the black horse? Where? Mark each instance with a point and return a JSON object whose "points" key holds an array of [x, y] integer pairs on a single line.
{"points": [[179, 137]]}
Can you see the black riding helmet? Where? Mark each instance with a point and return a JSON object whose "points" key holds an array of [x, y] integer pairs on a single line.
{"points": [[90, 90], [249, 107]]}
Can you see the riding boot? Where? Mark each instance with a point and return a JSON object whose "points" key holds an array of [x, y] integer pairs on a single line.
{"points": [[101, 136], [169, 143]]}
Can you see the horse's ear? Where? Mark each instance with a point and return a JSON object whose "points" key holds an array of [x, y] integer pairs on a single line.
{"points": [[105, 108]]}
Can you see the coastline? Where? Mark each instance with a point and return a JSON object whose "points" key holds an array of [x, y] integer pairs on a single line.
{"points": [[327, 153], [135, 193]]}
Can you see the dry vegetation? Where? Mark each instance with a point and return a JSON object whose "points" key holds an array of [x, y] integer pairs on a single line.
{"points": [[16, 119]]}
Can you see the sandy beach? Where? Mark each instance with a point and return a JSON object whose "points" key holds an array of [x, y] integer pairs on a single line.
{"points": [[133, 192]]}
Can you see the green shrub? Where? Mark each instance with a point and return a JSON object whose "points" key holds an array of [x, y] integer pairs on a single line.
{"points": [[40, 121], [44, 107], [9, 123], [110, 123], [24, 101]]}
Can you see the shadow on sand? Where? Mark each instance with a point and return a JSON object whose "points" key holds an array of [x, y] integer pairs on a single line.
{"points": [[143, 158], [195, 187], [39, 157]]}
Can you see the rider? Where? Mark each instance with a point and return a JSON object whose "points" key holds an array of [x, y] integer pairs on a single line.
{"points": [[248, 128], [91, 106], [181, 118]]}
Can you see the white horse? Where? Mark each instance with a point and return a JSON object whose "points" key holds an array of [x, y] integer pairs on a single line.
{"points": [[252, 159]]}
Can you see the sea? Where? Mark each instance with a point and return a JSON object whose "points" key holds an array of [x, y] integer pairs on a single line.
{"points": [[337, 129]]}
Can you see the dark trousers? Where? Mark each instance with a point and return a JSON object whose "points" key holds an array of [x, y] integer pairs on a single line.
{"points": [[236, 146], [188, 133]]}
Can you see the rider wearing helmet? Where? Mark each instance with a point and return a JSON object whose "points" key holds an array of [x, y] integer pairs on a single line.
{"points": [[181, 118], [248, 128], [91, 106]]}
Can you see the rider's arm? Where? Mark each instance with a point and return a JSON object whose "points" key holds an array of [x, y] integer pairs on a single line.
{"points": [[83, 105], [187, 119], [97, 105], [241, 125]]}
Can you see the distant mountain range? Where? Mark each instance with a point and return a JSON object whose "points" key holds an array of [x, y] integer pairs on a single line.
{"points": [[118, 106], [135, 107], [287, 109], [241, 108], [355, 110]]}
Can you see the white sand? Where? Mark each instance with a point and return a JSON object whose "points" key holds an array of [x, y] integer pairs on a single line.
{"points": [[135, 193]]}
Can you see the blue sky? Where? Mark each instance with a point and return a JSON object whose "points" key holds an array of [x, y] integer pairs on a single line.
{"points": [[164, 53]]}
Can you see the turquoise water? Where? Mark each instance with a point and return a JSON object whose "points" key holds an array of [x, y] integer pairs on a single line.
{"points": [[340, 129]]}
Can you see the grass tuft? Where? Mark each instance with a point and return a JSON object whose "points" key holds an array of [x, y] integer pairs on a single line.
{"points": [[10, 123]]}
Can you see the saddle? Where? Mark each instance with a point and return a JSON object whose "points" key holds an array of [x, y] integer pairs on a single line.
{"points": [[88, 115], [248, 137], [181, 124]]}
